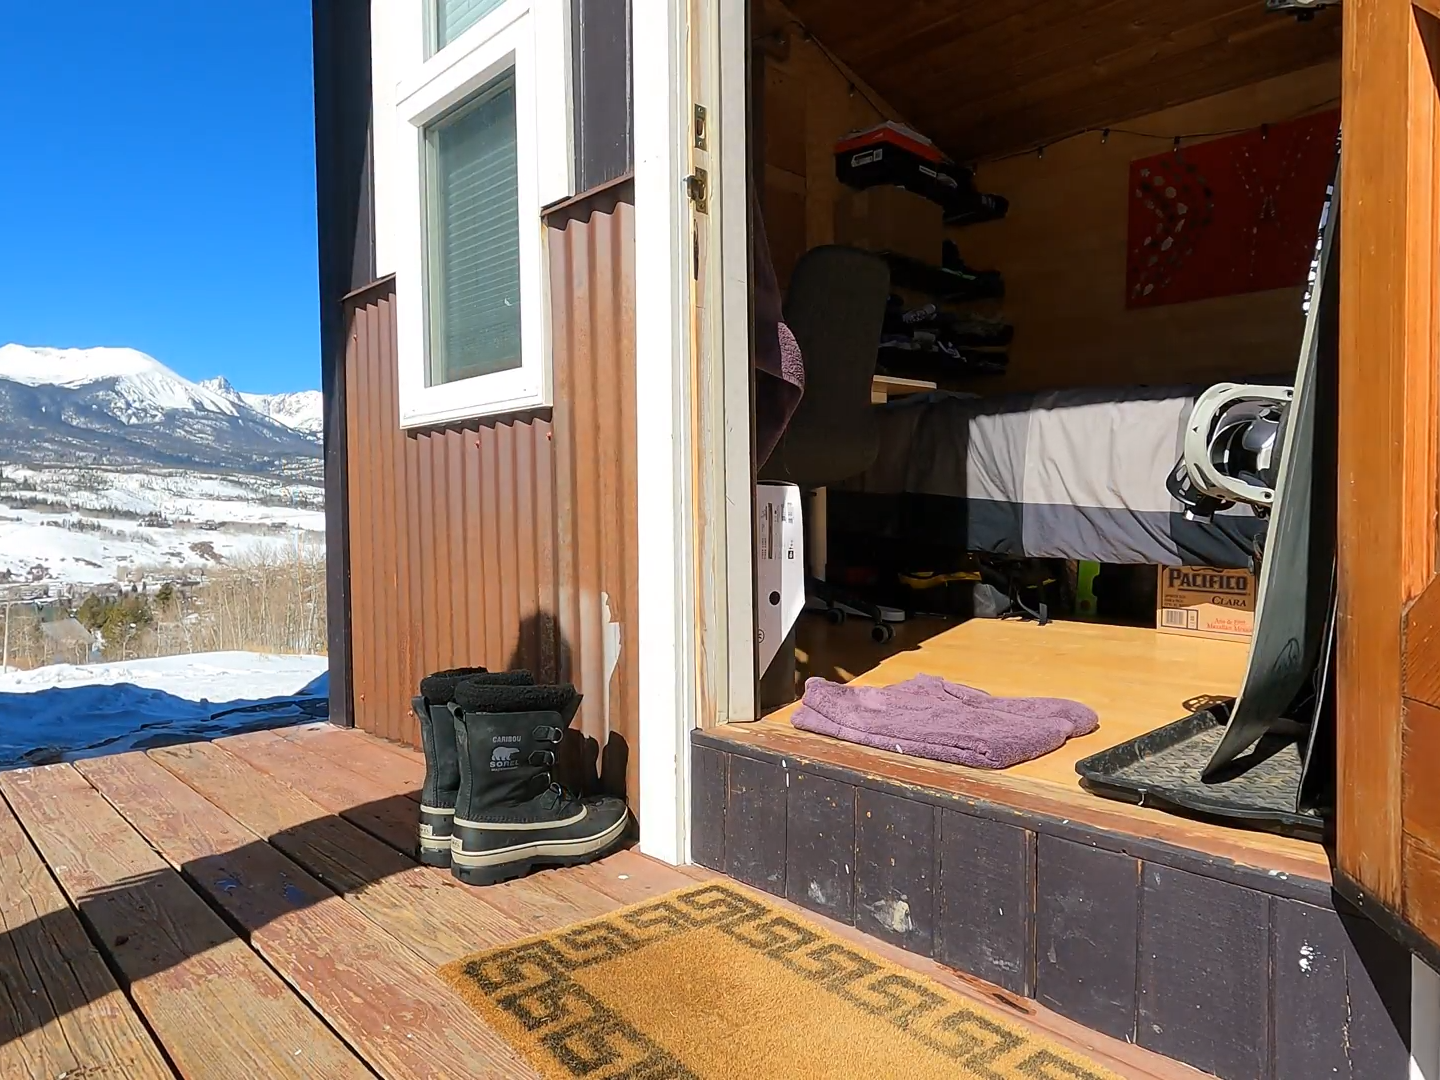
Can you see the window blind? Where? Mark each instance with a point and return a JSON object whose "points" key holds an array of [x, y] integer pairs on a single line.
{"points": [[454, 17], [474, 272]]}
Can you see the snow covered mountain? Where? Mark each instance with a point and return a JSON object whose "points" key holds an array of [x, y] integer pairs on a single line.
{"points": [[302, 410], [120, 407], [140, 388]]}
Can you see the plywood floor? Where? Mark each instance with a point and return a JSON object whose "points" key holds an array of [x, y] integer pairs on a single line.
{"points": [[1135, 678], [248, 908]]}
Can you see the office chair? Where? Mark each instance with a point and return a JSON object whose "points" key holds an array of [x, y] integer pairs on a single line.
{"points": [[835, 307]]}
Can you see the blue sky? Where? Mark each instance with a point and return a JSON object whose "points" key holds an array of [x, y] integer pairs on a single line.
{"points": [[157, 184]]}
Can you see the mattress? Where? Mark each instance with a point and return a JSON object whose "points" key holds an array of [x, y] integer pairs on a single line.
{"points": [[1067, 474]]}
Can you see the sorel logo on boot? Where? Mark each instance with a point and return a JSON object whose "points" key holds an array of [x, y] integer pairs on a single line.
{"points": [[504, 757], [506, 738]]}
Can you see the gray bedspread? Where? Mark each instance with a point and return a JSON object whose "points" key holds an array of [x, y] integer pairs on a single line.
{"points": [[1069, 474]]}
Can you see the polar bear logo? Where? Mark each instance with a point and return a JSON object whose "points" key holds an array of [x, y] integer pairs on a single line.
{"points": [[503, 757]]}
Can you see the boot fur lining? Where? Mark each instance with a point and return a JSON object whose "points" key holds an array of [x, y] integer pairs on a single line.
{"points": [[439, 687], [475, 695]]}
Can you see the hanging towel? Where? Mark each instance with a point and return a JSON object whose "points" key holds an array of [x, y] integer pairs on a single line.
{"points": [[931, 718], [779, 367]]}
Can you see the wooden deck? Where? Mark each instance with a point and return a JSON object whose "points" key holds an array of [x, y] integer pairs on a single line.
{"points": [[248, 908]]}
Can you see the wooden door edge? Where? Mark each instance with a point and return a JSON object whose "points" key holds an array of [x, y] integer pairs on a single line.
{"points": [[1420, 646], [1358, 897]]}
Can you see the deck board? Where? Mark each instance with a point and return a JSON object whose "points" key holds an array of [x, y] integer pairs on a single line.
{"points": [[425, 909], [219, 1011], [372, 758], [628, 877], [539, 902], [381, 997], [321, 906], [384, 811], [61, 1011]]}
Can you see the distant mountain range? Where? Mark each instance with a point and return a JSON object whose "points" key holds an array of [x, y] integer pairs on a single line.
{"points": [[303, 410], [120, 407]]}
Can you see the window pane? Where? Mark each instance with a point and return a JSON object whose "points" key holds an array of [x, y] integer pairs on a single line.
{"points": [[454, 17], [474, 239]]}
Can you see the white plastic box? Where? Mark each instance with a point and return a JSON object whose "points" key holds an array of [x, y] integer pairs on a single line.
{"points": [[779, 566]]}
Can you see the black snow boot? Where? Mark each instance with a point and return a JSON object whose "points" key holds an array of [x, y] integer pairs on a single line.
{"points": [[510, 815], [442, 767]]}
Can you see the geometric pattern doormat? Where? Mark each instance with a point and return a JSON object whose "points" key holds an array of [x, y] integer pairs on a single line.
{"points": [[712, 982]]}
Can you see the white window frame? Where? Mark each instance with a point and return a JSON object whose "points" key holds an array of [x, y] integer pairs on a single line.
{"points": [[530, 37]]}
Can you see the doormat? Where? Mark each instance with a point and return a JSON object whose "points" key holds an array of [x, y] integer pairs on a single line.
{"points": [[712, 982]]}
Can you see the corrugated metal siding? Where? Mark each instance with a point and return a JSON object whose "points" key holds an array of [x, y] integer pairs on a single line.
{"points": [[592, 299], [507, 542]]}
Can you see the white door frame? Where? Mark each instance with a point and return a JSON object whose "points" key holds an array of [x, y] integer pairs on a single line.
{"points": [[696, 629], [662, 391], [1424, 1022]]}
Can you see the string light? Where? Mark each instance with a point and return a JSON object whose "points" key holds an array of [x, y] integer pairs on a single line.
{"points": [[1040, 152], [1176, 141]]}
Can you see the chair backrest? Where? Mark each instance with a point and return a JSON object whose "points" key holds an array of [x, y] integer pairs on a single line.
{"points": [[835, 307]]}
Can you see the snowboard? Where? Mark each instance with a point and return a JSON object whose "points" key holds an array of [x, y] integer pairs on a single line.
{"points": [[1295, 601]]}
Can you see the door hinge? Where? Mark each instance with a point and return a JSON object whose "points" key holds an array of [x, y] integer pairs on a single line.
{"points": [[697, 186], [700, 139]]}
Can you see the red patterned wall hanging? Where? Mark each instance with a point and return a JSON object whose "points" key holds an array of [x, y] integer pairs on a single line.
{"points": [[1234, 215]]}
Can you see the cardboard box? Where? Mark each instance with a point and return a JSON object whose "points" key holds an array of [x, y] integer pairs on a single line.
{"points": [[1201, 601], [890, 219], [779, 566]]}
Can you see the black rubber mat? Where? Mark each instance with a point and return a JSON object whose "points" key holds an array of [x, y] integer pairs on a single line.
{"points": [[1162, 768]]}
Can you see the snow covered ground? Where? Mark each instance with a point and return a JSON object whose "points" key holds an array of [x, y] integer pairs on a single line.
{"points": [[112, 463], [92, 526], [63, 711]]}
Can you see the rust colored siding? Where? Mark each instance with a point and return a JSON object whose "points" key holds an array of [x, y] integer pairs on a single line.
{"points": [[509, 541]]}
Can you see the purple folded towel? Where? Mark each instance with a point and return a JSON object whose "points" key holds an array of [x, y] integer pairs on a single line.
{"points": [[931, 718]]}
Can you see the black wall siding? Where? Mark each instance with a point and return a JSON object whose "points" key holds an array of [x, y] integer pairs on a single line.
{"points": [[1085, 955], [345, 220], [1245, 974], [604, 105]]}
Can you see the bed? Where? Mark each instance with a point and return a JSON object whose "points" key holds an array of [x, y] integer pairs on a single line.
{"points": [[1068, 474]]}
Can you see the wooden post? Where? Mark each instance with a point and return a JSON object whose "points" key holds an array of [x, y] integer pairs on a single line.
{"points": [[1387, 441]]}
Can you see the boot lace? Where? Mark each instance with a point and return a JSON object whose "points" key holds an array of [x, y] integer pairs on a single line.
{"points": [[560, 797]]}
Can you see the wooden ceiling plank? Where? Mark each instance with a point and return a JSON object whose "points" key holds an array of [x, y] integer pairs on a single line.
{"points": [[1068, 108], [968, 41], [850, 27], [1042, 48], [1152, 60], [985, 78]]}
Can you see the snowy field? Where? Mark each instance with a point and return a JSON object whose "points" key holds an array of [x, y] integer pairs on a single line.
{"points": [[115, 467], [62, 711], [96, 525]]}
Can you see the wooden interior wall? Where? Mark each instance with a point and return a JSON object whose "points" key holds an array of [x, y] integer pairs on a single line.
{"points": [[510, 541], [1062, 247], [807, 102]]}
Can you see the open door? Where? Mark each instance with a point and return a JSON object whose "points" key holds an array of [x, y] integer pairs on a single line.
{"points": [[1388, 814], [721, 332]]}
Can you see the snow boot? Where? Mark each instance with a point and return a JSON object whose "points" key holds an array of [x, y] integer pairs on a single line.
{"points": [[442, 768], [510, 815]]}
